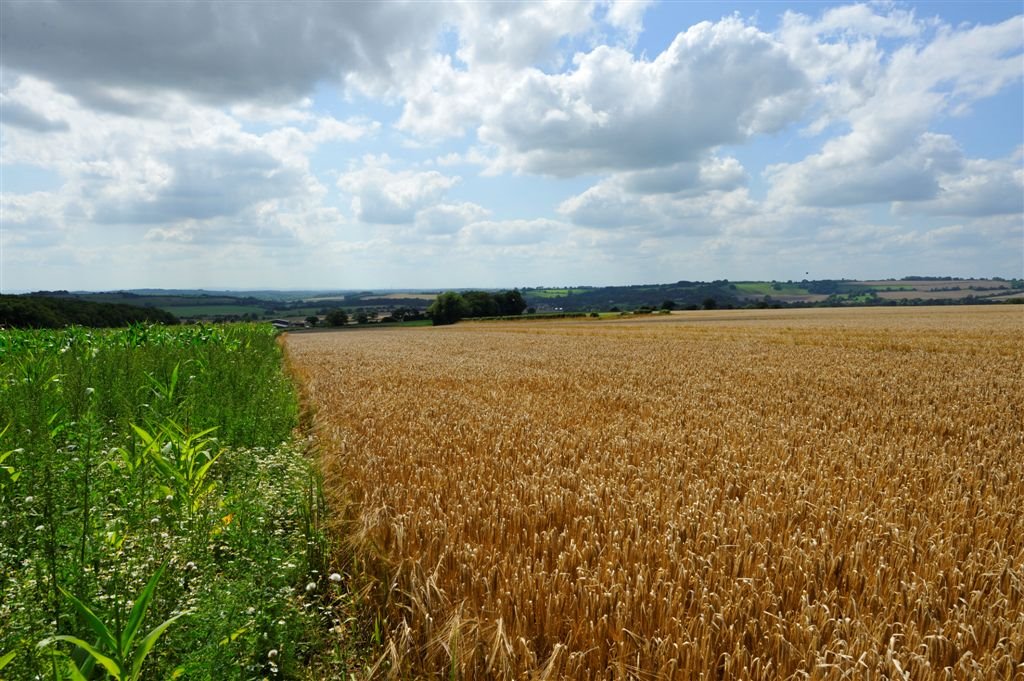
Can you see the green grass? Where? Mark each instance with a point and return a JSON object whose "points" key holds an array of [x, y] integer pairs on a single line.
{"points": [[766, 288], [124, 453]]}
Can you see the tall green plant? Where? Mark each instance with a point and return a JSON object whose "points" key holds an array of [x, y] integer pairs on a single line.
{"points": [[116, 650], [183, 461]]}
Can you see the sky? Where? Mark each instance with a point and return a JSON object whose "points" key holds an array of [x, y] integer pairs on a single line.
{"points": [[351, 145]]}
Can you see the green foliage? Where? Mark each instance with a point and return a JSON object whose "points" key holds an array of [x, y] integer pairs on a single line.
{"points": [[337, 317], [42, 312], [116, 650], [109, 470], [448, 308]]}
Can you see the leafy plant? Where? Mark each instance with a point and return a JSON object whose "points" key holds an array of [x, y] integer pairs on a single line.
{"points": [[183, 461], [116, 650], [8, 474]]}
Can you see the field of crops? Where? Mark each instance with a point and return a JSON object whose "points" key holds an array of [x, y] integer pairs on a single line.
{"points": [[156, 518], [748, 494]]}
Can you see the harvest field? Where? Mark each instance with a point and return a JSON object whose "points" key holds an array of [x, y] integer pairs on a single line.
{"points": [[746, 494]]}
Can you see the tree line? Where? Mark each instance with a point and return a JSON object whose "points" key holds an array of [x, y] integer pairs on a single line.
{"points": [[41, 312], [451, 306]]}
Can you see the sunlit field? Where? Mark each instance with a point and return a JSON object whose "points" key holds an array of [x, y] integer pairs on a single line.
{"points": [[743, 494]]}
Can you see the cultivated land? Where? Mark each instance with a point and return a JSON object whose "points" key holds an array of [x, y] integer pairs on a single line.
{"points": [[743, 494]]}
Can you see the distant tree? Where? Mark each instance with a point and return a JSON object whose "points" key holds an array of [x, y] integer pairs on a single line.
{"points": [[337, 317], [312, 320], [531, 310], [362, 317], [710, 304], [510, 303], [447, 308], [480, 304], [668, 305]]}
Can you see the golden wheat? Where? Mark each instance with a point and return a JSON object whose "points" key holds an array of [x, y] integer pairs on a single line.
{"points": [[817, 494]]}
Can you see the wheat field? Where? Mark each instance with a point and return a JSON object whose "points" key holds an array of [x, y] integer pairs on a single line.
{"points": [[816, 494]]}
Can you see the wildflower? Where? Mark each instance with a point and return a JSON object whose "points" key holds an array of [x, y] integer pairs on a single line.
{"points": [[272, 654], [335, 577], [311, 587], [29, 499], [90, 391]]}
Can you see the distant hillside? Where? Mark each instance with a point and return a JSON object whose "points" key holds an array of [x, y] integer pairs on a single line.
{"points": [[583, 299], [824, 292], [45, 312]]}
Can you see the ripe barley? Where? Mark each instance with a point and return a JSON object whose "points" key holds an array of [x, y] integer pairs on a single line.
{"points": [[825, 493]]}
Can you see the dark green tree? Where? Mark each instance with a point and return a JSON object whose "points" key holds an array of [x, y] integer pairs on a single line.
{"points": [[510, 303], [447, 308], [480, 304], [337, 317], [312, 320]]}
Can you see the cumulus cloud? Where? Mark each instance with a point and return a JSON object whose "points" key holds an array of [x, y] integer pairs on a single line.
{"points": [[981, 188], [201, 184], [688, 197], [384, 196], [889, 155], [519, 34], [715, 84], [845, 174], [627, 16], [449, 218]]}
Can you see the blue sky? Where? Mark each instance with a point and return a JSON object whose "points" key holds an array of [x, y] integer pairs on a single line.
{"points": [[419, 145]]}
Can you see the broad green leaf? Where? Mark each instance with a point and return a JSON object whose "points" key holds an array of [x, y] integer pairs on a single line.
{"points": [[147, 645], [6, 659], [138, 612], [106, 638], [143, 435], [108, 663]]}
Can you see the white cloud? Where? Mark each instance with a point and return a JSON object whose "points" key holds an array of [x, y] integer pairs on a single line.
{"points": [[511, 232], [519, 34], [715, 84], [888, 154], [846, 174], [191, 175], [383, 196], [687, 197], [627, 16], [449, 218], [981, 187]]}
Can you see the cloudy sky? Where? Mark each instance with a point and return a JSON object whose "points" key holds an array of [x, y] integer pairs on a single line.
{"points": [[371, 145]]}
